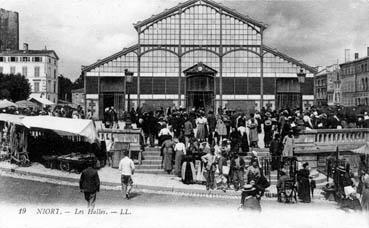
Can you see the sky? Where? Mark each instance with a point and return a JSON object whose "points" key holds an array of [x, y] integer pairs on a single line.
{"points": [[83, 31]]}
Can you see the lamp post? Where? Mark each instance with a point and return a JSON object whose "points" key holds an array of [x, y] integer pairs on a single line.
{"points": [[129, 79], [301, 79]]}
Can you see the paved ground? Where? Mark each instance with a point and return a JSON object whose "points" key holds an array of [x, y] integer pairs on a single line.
{"points": [[152, 210]]}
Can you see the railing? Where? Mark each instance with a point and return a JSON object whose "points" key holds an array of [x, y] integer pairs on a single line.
{"points": [[326, 140]]}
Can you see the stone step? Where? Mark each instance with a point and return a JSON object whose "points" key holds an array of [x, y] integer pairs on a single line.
{"points": [[152, 149], [152, 167], [151, 153], [152, 157], [151, 162], [151, 171]]}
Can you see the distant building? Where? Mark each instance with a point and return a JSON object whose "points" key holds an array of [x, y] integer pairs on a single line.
{"points": [[354, 81], [40, 67], [332, 77], [78, 97], [320, 88], [9, 30]]}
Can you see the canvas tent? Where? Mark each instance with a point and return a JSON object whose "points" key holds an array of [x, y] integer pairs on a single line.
{"points": [[63, 126], [16, 119], [26, 104], [5, 104], [362, 150], [41, 101]]}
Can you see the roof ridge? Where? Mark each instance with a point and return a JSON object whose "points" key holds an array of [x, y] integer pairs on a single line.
{"points": [[111, 57], [167, 12]]}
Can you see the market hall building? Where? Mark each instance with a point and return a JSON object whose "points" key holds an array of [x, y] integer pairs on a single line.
{"points": [[198, 54]]}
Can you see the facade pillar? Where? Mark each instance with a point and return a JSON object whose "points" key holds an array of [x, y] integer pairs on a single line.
{"points": [[261, 69], [221, 60], [180, 60]]}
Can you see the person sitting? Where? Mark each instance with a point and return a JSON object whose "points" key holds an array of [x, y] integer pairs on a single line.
{"points": [[252, 172], [350, 202], [329, 192]]}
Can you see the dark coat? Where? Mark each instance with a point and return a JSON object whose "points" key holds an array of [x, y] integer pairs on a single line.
{"points": [[89, 181]]}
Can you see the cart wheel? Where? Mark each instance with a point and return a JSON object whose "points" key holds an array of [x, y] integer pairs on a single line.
{"points": [[23, 160], [64, 166]]}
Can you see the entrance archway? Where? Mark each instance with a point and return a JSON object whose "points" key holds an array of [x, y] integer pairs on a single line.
{"points": [[200, 87]]}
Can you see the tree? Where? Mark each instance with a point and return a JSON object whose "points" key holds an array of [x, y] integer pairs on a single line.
{"points": [[65, 88], [79, 82], [14, 87]]}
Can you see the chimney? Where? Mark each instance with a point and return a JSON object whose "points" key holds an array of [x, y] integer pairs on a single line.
{"points": [[25, 46], [347, 55], [356, 55]]}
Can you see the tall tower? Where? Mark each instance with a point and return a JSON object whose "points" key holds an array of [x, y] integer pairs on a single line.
{"points": [[9, 30]]}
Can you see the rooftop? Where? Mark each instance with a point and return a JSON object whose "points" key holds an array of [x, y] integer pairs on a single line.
{"points": [[28, 53], [355, 61]]}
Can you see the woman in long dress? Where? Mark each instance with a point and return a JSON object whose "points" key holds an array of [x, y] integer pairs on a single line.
{"points": [[304, 183], [365, 193], [221, 129], [168, 150], [288, 142], [253, 131], [201, 123], [188, 167], [180, 151]]}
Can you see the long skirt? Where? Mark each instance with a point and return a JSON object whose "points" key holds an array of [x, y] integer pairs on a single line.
{"points": [[365, 199], [200, 171], [304, 190], [168, 158], [178, 163], [188, 172], [201, 132]]}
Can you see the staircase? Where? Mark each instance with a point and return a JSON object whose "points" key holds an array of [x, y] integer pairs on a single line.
{"points": [[151, 162]]}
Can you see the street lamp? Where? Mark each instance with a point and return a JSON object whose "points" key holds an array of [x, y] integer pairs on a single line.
{"points": [[301, 79], [129, 80]]}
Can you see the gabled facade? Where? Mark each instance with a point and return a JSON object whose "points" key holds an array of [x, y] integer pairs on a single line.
{"points": [[249, 73]]}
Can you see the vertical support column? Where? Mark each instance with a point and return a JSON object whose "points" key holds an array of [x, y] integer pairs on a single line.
{"points": [[84, 86], [99, 98], [180, 81], [221, 60], [261, 69], [139, 69], [180, 59], [125, 94]]}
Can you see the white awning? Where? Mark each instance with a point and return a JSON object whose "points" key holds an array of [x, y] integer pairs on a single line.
{"points": [[63, 126], [16, 119]]}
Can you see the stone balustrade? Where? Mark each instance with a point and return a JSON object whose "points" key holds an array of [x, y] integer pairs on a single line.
{"points": [[314, 146], [326, 140]]}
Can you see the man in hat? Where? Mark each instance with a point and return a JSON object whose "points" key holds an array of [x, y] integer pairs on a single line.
{"points": [[89, 184]]}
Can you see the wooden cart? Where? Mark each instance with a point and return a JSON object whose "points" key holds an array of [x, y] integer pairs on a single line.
{"points": [[76, 162]]}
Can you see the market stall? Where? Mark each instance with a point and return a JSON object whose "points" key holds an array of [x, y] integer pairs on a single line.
{"points": [[66, 144], [14, 140]]}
